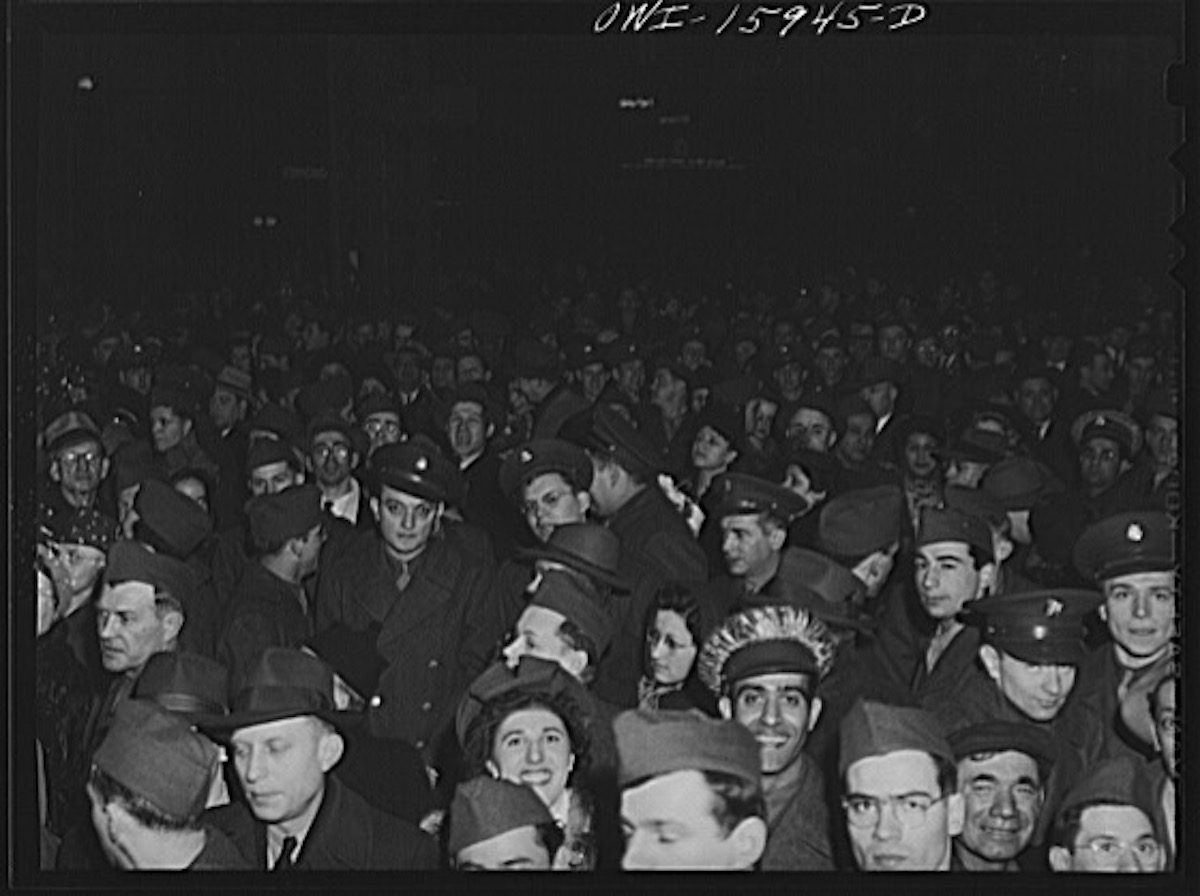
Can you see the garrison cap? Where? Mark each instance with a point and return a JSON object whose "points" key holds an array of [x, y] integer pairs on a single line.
{"points": [[486, 807], [290, 513], [1113, 782], [235, 381], [1040, 627], [998, 736], [560, 592], [857, 523], [871, 729], [1019, 482], [941, 524], [651, 743], [175, 522], [185, 683], [1108, 424], [739, 493], [418, 469], [613, 434], [159, 757], [763, 640], [132, 561], [539, 456], [975, 502], [1138, 541]]}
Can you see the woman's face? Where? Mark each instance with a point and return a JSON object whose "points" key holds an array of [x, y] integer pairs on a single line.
{"points": [[532, 747], [671, 649]]}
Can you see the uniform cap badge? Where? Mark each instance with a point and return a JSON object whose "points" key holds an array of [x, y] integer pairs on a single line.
{"points": [[1134, 532], [422, 464]]}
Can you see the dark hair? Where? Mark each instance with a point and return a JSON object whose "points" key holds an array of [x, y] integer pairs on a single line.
{"points": [[947, 774], [145, 812], [574, 637], [980, 556], [480, 739], [677, 597], [734, 800], [1066, 826]]}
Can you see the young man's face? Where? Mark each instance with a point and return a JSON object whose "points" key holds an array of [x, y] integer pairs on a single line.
{"points": [[711, 450], [894, 343], [467, 430], [270, 479], [281, 765], [810, 429], [1038, 690], [858, 438], [225, 408], [666, 389], [549, 501], [1099, 463], [880, 396], [947, 578], [538, 634], [167, 428], [748, 546], [1111, 839], [1035, 399], [382, 428], [1162, 438], [593, 378], [471, 369], [1002, 798], [669, 825], [1165, 726], [520, 849], [775, 709], [406, 522], [1140, 611]]}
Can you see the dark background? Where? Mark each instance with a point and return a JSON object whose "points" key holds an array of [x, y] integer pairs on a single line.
{"points": [[931, 152]]}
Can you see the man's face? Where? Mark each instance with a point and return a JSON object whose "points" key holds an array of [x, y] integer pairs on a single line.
{"points": [[631, 376], [693, 354], [947, 578], [902, 839], [537, 634], [920, 454], [1165, 726], [666, 389], [860, 341], [593, 378], [1162, 438], [964, 473], [928, 352], [83, 565], [130, 628], [81, 467], [1139, 373], [466, 428], [1035, 399], [880, 396], [406, 522], [789, 378], [1100, 372], [136, 378], [520, 849], [810, 429], [281, 765], [1002, 798], [1039, 690], [1111, 839], [195, 489], [332, 458], [669, 825], [1140, 611], [441, 373], [894, 343], [775, 709], [549, 501], [408, 371], [225, 408], [798, 481], [470, 369], [760, 415], [270, 479], [241, 358], [831, 362], [382, 428], [711, 450], [167, 428], [310, 549], [748, 547], [532, 747], [858, 438], [1099, 463]]}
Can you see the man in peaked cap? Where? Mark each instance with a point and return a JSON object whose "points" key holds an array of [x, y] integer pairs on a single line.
{"points": [[764, 664], [548, 481], [697, 777], [539, 379], [901, 789], [77, 466], [269, 606], [426, 586], [1131, 557], [1003, 768], [496, 825], [284, 740], [1106, 823], [149, 782]]}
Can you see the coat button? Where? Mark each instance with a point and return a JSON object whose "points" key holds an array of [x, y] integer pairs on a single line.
{"points": [[426, 706], [433, 664], [420, 745]]}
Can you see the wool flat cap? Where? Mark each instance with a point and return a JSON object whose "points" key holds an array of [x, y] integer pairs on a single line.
{"points": [[131, 561], [871, 729], [560, 592], [175, 522], [1019, 482], [1113, 782], [940, 524], [378, 403], [73, 426], [284, 683], [975, 502], [857, 523], [1040, 627], [651, 743], [540, 456], [1108, 424], [1139, 541], [417, 468], [159, 757], [612, 434], [999, 735], [236, 381], [486, 807], [762, 641], [85, 526], [739, 493], [588, 548], [290, 513], [329, 421], [188, 684], [533, 676]]}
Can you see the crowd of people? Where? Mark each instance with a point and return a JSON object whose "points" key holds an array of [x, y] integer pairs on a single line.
{"points": [[838, 578]]}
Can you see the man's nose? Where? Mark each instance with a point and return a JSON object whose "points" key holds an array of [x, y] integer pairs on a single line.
{"points": [[771, 711], [888, 827]]}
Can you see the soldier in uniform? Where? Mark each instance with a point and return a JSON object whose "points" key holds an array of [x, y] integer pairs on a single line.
{"points": [[496, 825]]}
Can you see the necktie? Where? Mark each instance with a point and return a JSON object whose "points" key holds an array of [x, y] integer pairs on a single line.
{"points": [[404, 578], [284, 862]]}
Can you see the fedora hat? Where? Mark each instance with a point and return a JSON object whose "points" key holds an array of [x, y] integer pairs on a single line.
{"points": [[588, 548], [188, 684], [283, 684]]}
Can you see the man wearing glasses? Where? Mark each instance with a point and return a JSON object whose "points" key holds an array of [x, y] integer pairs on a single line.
{"points": [[331, 460], [1107, 823], [901, 799], [78, 464]]}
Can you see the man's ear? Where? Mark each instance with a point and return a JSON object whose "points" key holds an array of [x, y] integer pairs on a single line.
{"points": [[987, 579], [105, 466], [295, 546], [172, 622], [955, 814], [749, 840], [726, 707], [374, 502], [990, 657], [187, 426], [585, 500], [814, 712], [355, 457], [330, 749], [777, 537], [490, 431], [1004, 549], [831, 440], [1060, 858], [575, 661], [56, 470], [1102, 612]]}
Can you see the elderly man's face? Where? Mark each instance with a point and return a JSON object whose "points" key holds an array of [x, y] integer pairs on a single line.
{"points": [[131, 627], [281, 765], [549, 501], [1111, 839], [898, 818], [406, 522], [1140, 611], [81, 467], [332, 458], [1002, 797]]}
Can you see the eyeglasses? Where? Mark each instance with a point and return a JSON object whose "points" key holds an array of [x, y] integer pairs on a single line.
{"points": [[912, 809], [375, 427], [90, 458], [1108, 850], [340, 451]]}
